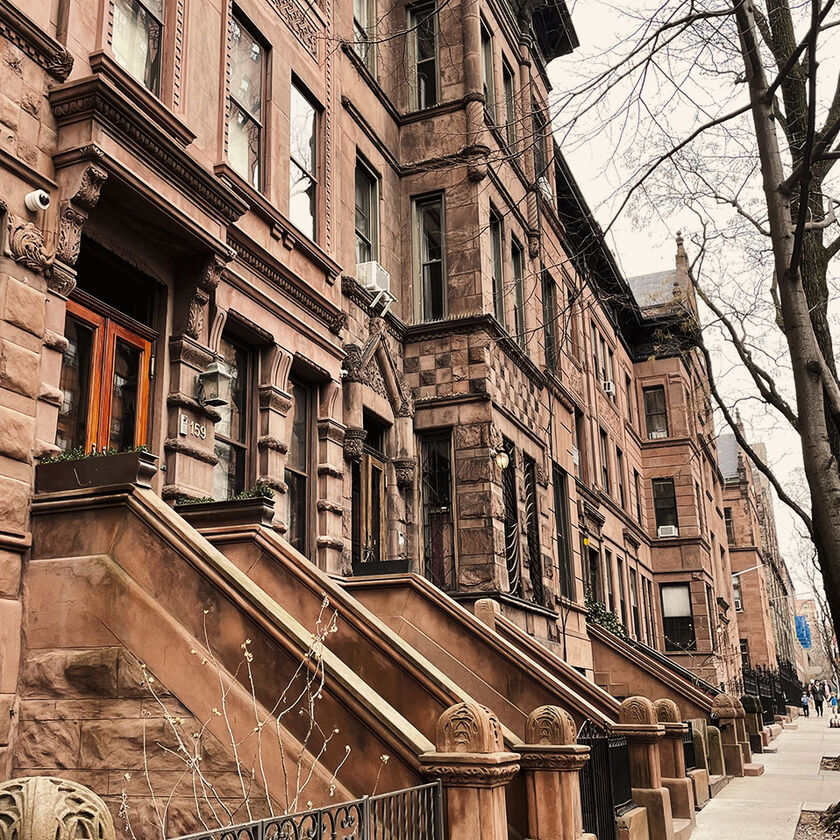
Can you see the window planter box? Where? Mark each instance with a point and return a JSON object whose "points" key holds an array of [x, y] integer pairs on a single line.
{"points": [[256, 511], [401, 566], [96, 471]]}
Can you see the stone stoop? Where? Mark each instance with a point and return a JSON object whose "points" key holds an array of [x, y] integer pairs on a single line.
{"points": [[775, 730], [791, 725], [718, 783], [753, 769], [632, 825], [683, 829]]}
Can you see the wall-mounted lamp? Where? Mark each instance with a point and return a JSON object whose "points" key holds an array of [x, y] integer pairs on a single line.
{"points": [[501, 458], [213, 384]]}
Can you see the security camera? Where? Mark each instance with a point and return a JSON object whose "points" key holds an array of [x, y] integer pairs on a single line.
{"points": [[37, 200], [343, 373]]}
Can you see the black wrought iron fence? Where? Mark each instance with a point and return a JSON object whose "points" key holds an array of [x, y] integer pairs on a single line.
{"points": [[688, 749], [410, 814], [604, 780], [776, 688]]}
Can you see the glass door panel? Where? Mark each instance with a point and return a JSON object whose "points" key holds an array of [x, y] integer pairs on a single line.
{"points": [[125, 380], [79, 383]]}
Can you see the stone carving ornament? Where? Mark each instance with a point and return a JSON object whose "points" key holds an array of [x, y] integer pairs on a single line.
{"points": [[46, 808], [354, 441], [26, 246], [637, 711], [667, 711], [405, 468], [468, 728], [723, 707], [550, 725], [70, 235]]}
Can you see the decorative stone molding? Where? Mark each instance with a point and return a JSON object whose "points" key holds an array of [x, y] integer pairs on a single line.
{"points": [[90, 187], [354, 440], [47, 808], [31, 40], [667, 711], [550, 725], [55, 341], [184, 349], [61, 280], [184, 447], [740, 711], [330, 470], [474, 774], [178, 400], [723, 707], [564, 758], [335, 543], [331, 430], [273, 398], [70, 235], [468, 728], [405, 469], [299, 22], [272, 443], [637, 711], [195, 317], [211, 274], [329, 506], [26, 245]]}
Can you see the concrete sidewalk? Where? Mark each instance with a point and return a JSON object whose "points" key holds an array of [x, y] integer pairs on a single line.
{"points": [[767, 807]]}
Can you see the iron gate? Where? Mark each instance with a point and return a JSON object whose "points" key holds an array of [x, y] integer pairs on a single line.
{"points": [[688, 749], [604, 780]]}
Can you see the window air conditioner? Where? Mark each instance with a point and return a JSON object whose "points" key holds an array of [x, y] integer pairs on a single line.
{"points": [[377, 281], [545, 188], [609, 387], [658, 434], [667, 531], [738, 605], [575, 456]]}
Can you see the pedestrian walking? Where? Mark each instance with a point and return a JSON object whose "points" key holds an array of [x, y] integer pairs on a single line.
{"points": [[805, 701], [833, 703], [819, 700]]}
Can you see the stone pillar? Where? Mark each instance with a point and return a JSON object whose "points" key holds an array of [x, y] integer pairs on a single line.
{"points": [[273, 447], [753, 721], [672, 757], [476, 145], [638, 724], [701, 775], [330, 541], [475, 769], [552, 760], [733, 757], [741, 730], [715, 752], [39, 807]]}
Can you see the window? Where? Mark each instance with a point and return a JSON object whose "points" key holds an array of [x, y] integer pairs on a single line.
{"points": [[730, 525], [701, 509], [634, 604], [367, 213], [540, 124], [605, 463], [137, 40], [710, 606], [364, 32], [245, 103], [509, 90], [745, 653], [232, 430], [628, 392], [677, 618], [646, 606], [422, 25], [518, 259], [303, 184], [637, 487], [622, 593], [488, 72], [736, 593], [651, 617], [656, 414], [580, 444], [436, 495], [608, 578], [299, 468], [619, 468], [664, 502], [549, 296], [561, 525], [532, 528], [428, 221], [511, 522], [497, 268], [368, 516], [593, 576]]}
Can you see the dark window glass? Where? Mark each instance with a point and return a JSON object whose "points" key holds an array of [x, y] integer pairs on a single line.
{"points": [[730, 526], [745, 653], [231, 445], [622, 591], [367, 214], [75, 383], [137, 39], [532, 528], [497, 266], [580, 444], [429, 217], [656, 414], [634, 604], [637, 486], [423, 26], [710, 605], [540, 135], [247, 71], [736, 594], [664, 502], [125, 381], [303, 184], [549, 296], [605, 462], [511, 523], [677, 617], [488, 76], [509, 89], [628, 392], [619, 467], [561, 524], [518, 260], [298, 469], [364, 32], [436, 493], [593, 575], [608, 579]]}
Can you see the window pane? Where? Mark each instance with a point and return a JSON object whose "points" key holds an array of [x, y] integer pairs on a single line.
{"points": [[136, 41], [124, 385], [431, 259], [676, 601], [664, 501], [496, 268], [510, 105], [302, 121], [656, 415], [431, 235], [487, 73], [366, 214], [229, 472], [436, 491], [233, 423], [518, 258], [424, 24], [246, 69], [299, 445], [244, 146], [302, 200], [75, 383], [296, 510]]}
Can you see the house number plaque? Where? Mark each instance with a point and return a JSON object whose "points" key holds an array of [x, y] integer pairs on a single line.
{"points": [[190, 428]]}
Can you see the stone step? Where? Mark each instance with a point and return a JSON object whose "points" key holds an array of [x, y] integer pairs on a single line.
{"points": [[791, 726], [753, 769], [683, 829], [717, 784]]}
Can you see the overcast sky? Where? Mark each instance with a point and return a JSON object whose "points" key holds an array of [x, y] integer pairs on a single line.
{"points": [[646, 244]]}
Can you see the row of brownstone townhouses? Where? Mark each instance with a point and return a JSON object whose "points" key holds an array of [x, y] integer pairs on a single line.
{"points": [[302, 310]]}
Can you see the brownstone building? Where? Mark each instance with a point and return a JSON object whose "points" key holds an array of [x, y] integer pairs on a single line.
{"points": [[460, 385]]}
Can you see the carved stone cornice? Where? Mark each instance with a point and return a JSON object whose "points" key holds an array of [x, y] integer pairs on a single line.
{"points": [[274, 399], [62, 279], [279, 276], [31, 40], [565, 758], [473, 770], [96, 98], [185, 447], [331, 430], [184, 349]]}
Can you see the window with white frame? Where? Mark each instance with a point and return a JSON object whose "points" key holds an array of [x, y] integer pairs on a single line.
{"points": [[509, 91], [367, 213], [364, 32], [423, 40], [429, 239]]}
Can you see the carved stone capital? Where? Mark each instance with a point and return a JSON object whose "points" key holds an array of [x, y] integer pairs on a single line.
{"points": [[472, 770], [272, 443], [26, 245], [565, 758], [274, 399], [354, 441], [187, 351], [70, 234], [211, 274], [90, 186], [331, 430], [405, 468], [195, 317], [62, 280]]}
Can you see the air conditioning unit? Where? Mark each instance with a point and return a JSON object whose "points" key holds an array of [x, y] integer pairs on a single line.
{"points": [[575, 456], [545, 188], [667, 531], [658, 434], [738, 605], [609, 387], [377, 281]]}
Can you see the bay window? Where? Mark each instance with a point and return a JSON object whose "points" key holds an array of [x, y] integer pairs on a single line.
{"points": [[656, 414]]}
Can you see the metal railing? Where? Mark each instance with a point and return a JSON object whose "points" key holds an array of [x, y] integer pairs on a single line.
{"points": [[604, 780], [411, 814], [688, 749], [775, 688]]}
